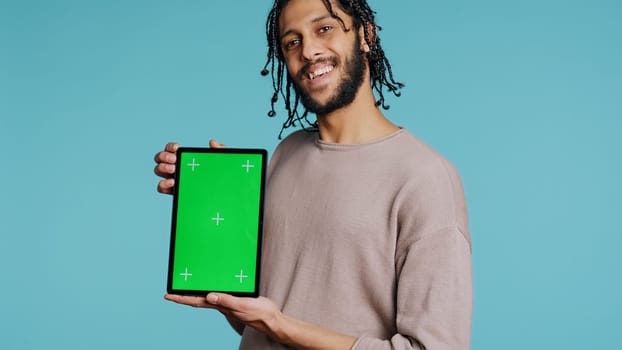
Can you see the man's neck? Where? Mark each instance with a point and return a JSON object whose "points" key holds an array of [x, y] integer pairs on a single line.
{"points": [[360, 122]]}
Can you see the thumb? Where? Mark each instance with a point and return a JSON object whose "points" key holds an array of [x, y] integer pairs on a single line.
{"points": [[215, 144], [225, 300]]}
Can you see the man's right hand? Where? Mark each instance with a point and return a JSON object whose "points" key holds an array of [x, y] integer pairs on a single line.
{"points": [[165, 165]]}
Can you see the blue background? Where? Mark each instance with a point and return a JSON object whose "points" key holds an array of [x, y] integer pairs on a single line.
{"points": [[524, 97]]}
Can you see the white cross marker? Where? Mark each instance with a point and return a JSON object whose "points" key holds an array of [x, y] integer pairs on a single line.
{"points": [[218, 219], [247, 165], [193, 164], [241, 276], [185, 274]]}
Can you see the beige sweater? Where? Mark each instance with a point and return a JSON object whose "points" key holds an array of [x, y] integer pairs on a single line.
{"points": [[368, 240]]}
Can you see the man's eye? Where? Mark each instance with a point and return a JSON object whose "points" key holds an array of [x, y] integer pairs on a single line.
{"points": [[292, 43], [324, 29]]}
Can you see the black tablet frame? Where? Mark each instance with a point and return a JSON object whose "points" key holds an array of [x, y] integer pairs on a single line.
{"points": [[254, 151]]}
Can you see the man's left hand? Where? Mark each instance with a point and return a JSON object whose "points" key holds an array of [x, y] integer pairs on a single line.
{"points": [[260, 313]]}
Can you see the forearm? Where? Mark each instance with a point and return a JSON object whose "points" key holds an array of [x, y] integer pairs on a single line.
{"points": [[235, 324], [305, 336]]}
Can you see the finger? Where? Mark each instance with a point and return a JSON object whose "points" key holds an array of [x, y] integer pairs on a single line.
{"points": [[181, 299], [171, 147], [166, 186], [194, 301], [165, 157], [164, 170], [215, 144]]}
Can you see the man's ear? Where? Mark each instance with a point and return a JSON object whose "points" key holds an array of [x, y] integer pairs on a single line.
{"points": [[371, 34]]}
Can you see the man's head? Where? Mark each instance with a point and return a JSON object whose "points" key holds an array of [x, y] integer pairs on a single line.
{"points": [[329, 48], [323, 56]]}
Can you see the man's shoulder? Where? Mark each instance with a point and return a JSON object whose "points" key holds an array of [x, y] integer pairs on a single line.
{"points": [[414, 151], [415, 164]]}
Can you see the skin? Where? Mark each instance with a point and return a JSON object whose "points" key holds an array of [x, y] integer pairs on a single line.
{"points": [[306, 40], [310, 38]]}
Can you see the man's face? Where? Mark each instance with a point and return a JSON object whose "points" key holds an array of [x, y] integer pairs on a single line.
{"points": [[325, 62]]}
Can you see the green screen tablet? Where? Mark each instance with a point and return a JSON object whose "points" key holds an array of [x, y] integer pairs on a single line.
{"points": [[217, 221]]}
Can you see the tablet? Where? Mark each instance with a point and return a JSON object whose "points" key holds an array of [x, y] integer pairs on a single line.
{"points": [[216, 229]]}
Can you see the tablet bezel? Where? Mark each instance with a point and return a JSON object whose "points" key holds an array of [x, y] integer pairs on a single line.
{"points": [[253, 151]]}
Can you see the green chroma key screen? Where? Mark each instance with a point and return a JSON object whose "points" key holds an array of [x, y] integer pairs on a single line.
{"points": [[217, 221]]}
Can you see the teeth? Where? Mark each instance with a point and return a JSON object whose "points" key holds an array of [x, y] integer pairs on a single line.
{"points": [[320, 71]]}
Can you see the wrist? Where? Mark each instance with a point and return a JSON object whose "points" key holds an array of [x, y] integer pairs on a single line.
{"points": [[276, 326]]}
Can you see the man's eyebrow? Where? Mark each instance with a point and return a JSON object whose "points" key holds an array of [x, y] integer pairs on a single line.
{"points": [[315, 20]]}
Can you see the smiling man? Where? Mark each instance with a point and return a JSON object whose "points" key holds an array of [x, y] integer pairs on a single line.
{"points": [[366, 240]]}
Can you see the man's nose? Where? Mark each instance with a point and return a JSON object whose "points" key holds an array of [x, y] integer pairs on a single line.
{"points": [[311, 49]]}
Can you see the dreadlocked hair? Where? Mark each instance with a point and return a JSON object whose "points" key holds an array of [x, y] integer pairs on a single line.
{"points": [[379, 66]]}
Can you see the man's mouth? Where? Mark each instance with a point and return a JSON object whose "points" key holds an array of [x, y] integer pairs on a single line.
{"points": [[320, 71]]}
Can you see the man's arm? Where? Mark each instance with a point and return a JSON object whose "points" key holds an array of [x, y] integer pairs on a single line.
{"points": [[235, 324], [433, 265], [263, 315], [433, 304], [434, 295], [433, 300]]}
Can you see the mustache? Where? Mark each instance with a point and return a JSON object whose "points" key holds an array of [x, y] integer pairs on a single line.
{"points": [[305, 69]]}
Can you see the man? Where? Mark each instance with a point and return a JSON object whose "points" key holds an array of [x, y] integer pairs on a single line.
{"points": [[366, 242]]}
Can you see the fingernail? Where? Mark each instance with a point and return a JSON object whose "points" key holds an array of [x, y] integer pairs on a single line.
{"points": [[212, 298]]}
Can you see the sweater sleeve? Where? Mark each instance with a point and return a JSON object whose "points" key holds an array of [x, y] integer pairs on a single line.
{"points": [[434, 296], [433, 268]]}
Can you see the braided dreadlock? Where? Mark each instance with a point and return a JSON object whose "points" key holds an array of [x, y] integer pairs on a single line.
{"points": [[380, 68]]}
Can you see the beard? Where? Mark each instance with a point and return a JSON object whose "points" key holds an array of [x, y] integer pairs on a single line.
{"points": [[346, 91]]}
